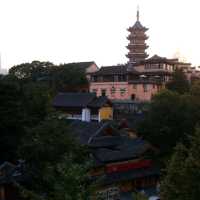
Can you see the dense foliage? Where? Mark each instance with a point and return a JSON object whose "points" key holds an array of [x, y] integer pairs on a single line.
{"points": [[56, 165], [182, 179], [64, 77], [171, 117], [179, 82], [170, 122]]}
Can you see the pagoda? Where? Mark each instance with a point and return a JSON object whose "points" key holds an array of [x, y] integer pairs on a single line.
{"points": [[137, 45]]}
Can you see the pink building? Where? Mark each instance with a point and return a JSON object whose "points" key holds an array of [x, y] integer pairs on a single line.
{"points": [[140, 78]]}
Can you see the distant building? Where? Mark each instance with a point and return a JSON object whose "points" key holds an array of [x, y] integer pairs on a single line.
{"points": [[140, 78], [83, 106]]}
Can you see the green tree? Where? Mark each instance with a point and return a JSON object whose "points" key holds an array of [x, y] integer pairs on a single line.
{"points": [[195, 89], [57, 165], [69, 77], [64, 77], [161, 125], [182, 179], [179, 82], [171, 118], [11, 117], [36, 102], [22, 107], [31, 71]]}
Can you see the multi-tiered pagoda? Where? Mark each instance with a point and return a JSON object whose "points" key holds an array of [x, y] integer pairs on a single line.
{"points": [[137, 45]]}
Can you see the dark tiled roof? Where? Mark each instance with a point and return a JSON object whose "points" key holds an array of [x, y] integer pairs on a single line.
{"points": [[83, 131], [79, 100], [111, 70], [105, 142], [138, 25], [156, 59], [89, 132], [99, 102], [127, 149], [73, 99], [80, 65]]}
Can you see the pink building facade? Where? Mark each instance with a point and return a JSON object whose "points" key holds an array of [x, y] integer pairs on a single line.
{"points": [[138, 82]]}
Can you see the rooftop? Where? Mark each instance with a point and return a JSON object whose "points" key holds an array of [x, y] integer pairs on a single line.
{"points": [[79, 100], [111, 70], [80, 65]]}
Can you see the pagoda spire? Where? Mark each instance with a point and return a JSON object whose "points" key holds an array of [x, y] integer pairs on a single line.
{"points": [[138, 13]]}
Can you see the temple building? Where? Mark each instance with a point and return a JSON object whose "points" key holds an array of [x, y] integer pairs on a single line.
{"points": [[141, 77]]}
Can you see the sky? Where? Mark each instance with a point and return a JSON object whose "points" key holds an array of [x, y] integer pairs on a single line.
{"points": [[63, 31]]}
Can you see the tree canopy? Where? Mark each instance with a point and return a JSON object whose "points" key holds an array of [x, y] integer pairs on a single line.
{"points": [[182, 179], [171, 117], [56, 163], [63, 77], [179, 82]]}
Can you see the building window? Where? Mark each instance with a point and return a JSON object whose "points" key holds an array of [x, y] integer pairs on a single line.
{"points": [[113, 90], [135, 87], [103, 92], [133, 96], [145, 87], [122, 91]]}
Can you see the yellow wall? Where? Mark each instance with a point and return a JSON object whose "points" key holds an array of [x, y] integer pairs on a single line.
{"points": [[106, 113]]}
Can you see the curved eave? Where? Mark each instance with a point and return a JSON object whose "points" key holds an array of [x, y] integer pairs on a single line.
{"points": [[137, 55], [145, 37], [132, 29], [137, 46]]}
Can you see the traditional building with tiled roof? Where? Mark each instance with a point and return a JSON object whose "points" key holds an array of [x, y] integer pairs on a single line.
{"points": [[83, 106], [141, 77], [122, 162]]}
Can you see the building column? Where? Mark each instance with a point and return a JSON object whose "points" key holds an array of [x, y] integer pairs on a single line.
{"points": [[99, 115], [86, 115]]}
